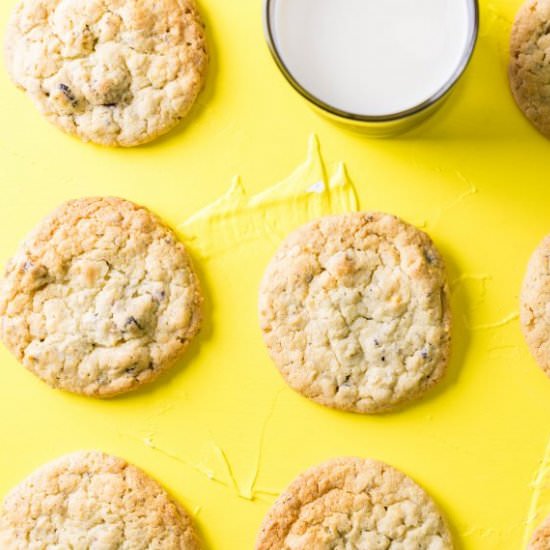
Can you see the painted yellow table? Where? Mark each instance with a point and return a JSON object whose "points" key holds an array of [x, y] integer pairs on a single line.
{"points": [[222, 432]]}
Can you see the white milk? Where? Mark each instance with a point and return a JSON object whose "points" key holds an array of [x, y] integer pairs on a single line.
{"points": [[372, 57]]}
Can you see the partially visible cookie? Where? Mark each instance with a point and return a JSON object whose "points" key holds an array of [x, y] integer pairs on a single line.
{"points": [[115, 72], [535, 305], [96, 501], [529, 69], [541, 537], [354, 311], [354, 503], [100, 299]]}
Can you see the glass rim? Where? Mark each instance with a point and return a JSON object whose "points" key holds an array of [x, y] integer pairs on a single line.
{"points": [[330, 109]]}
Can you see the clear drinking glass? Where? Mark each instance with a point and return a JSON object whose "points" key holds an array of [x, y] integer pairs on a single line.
{"points": [[377, 125]]}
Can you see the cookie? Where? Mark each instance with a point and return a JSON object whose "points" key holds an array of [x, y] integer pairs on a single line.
{"points": [[535, 305], [114, 72], [354, 311], [541, 537], [93, 500], [529, 70], [354, 503], [100, 299]]}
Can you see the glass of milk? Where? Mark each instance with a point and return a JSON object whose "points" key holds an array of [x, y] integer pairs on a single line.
{"points": [[384, 65]]}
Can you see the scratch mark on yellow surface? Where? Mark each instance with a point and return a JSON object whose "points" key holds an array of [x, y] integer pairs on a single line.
{"points": [[489, 326], [229, 469], [495, 17], [251, 488], [498, 538], [482, 531], [421, 224], [250, 492], [197, 510], [269, 492], [496, 12], [460, 280], [246, 493], [161, 411], [471, 190], [507, 348], [200, 468], [474, 287], [236, 217], [540, 499], [233, 484]]}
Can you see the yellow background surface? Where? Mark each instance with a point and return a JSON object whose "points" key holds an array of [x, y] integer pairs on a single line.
{"points": [[476, 178]]}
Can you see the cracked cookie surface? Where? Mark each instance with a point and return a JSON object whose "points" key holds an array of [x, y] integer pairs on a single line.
{"points": [[354, 504], [100, 299], [95, 501], [115, 72], [529, 69], [354, 311], [535, 305]]}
